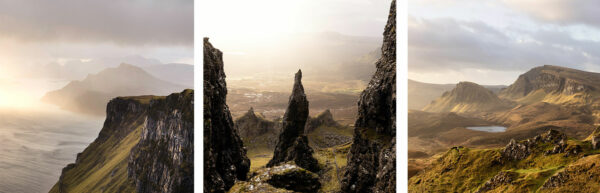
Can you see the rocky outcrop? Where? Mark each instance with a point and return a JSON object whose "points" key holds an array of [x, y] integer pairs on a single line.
{"points": [[282, 178], [251, 125], [163, 160], [520, 150], [322, 119], [504, 177], [292, 144], [371, 161], [467, 97], [225, 159], [145, 145]]}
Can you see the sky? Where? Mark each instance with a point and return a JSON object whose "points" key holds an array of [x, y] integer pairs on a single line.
{"points": [[273, 38], [37, 33], [494, 41]]}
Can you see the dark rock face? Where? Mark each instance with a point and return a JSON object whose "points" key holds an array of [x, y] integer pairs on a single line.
{"points": [[371, 161], [163, 160], [225, 158], [293, 144]]}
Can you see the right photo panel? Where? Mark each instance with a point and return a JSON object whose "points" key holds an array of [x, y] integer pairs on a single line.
{"points": [[503, 96]]}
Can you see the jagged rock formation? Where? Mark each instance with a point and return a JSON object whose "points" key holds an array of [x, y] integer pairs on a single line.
{"points": [[225, 159], [324, 132], [520, 150], [322, 119], [124, 156], [293, 144], [554, 84], [284, 178], [466, 97], [163, 160], [251, 125], [371, 161]]}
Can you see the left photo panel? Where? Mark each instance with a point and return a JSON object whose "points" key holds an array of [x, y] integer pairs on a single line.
{"points": [[96, 96]]}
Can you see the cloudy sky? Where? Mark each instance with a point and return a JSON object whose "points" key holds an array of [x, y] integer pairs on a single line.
{"points": [[494, 41], [40, 34], [279, 37]]}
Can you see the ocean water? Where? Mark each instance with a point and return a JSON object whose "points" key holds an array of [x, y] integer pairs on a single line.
{"points": [[492, 129], [36, 144]]}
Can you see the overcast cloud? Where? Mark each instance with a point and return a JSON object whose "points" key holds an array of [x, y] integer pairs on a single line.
{"points": [[492, 42], [122, 22]]}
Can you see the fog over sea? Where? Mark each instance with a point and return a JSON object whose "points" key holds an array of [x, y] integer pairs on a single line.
{"points": [[36, 144]]}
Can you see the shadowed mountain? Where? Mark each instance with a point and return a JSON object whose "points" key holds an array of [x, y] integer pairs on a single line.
{"points": [[420, 94], [91, 94], [467, 97]]}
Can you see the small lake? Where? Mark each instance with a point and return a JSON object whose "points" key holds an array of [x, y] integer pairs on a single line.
{"points": [[491, 129]]}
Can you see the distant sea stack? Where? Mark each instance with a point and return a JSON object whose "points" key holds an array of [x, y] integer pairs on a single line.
{"points": [[293, 144], [145, 145], [372, 158], [466, 97], [225, 159]]}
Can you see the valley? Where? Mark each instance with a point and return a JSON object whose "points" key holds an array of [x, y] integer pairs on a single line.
{"points": [[546, 98]]}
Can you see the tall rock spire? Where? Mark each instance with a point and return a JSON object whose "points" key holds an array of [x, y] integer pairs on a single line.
{"points": [[293, 144], [372, 158], [225, 158]]}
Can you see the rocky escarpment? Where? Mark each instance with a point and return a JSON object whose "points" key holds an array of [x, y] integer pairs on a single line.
{"points": [[520, 150], [120, 160], [292, 144], [163, 160], [552, 79], [250, 125], [372, 159], [225, 159], [466, 97], [322, 119]]}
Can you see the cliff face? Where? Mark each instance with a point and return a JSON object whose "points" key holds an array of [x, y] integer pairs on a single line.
{"points": [[554, 80], [467, 97], [293, 144], [111, 163], [163, 160], [225, 158], [322, 119], [371, 161]]}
